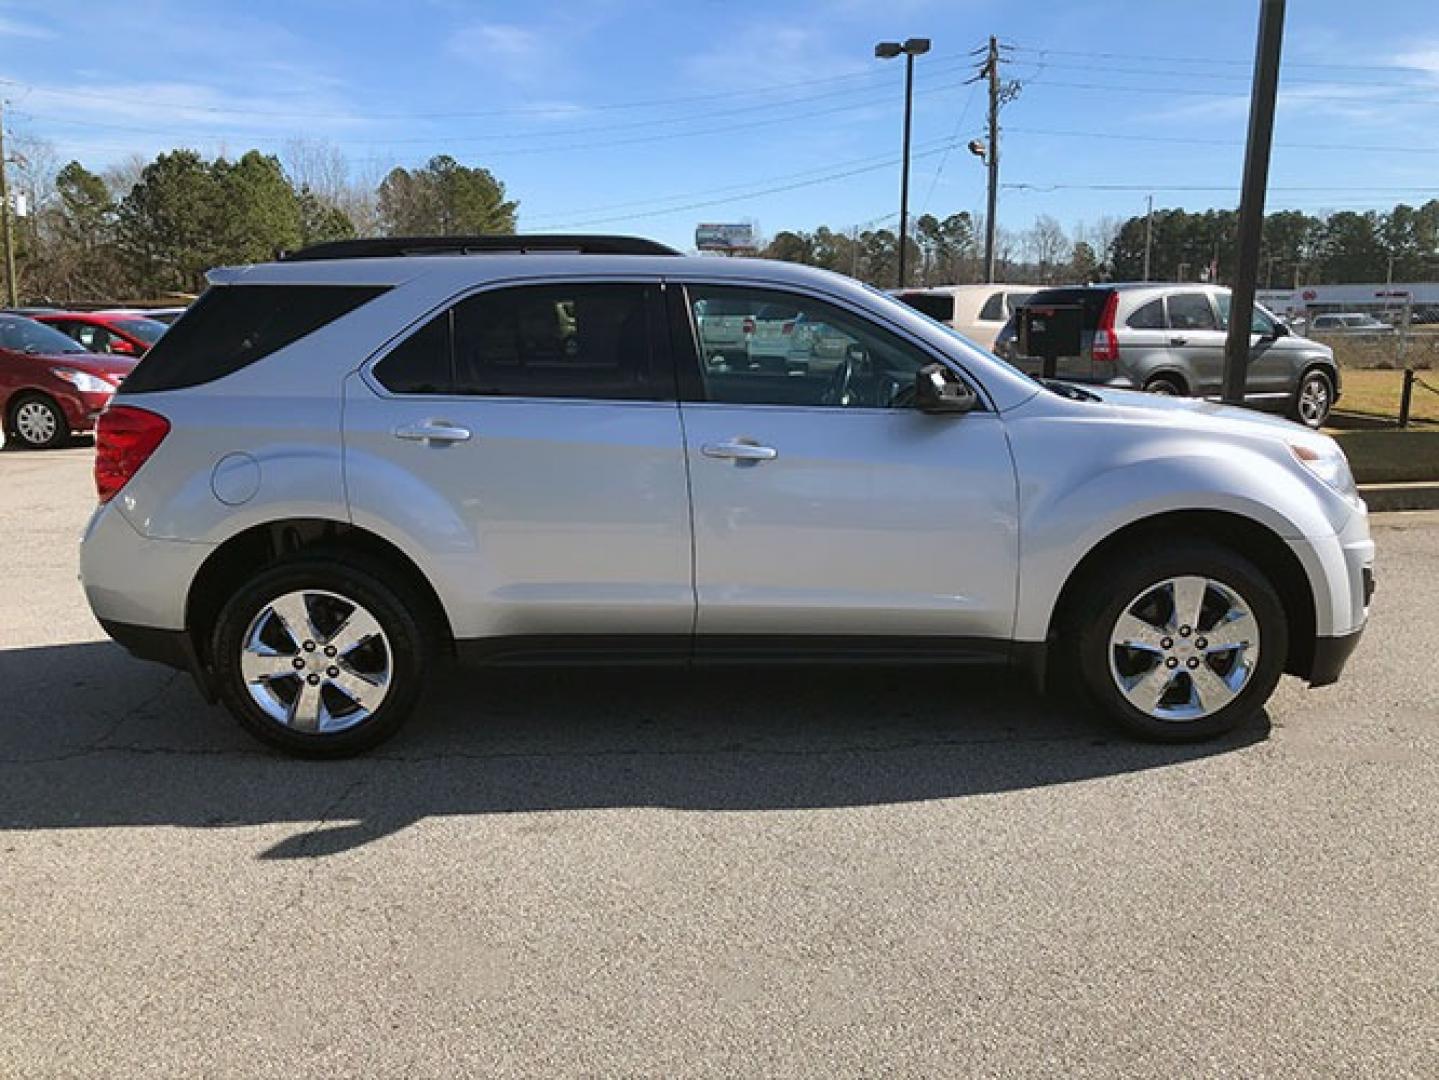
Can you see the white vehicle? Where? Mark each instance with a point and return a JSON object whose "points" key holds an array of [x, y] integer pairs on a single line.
{"points": [[338, 471], [1349, 322], [979, 312]]}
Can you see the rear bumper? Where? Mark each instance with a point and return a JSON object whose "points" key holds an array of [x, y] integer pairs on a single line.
{"points": [[173, 648]]}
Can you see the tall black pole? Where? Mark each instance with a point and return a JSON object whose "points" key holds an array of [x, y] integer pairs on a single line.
{"points": [[1251, 197], [904, 168], [992, 157]]}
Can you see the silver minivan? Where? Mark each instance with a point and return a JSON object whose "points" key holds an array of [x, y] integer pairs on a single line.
{"points": [[1169, 339]]}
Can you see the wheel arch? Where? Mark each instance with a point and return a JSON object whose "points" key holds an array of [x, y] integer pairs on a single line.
{"points": [[241, 556], [1253, 540]]}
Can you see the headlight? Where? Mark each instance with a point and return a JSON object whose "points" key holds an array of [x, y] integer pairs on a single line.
{"points": [[84, 381], [1330, 465]]}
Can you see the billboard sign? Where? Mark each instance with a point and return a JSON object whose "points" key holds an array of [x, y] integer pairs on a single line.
{"points": [[724, 237]]}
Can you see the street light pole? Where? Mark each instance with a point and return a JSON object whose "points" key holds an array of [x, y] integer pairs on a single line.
{"points": [[887, 50]]}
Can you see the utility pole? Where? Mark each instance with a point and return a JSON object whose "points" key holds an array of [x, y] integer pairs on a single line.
{"points": [[1251, 197], [1148, 234], [9, 235], [991, 65]]}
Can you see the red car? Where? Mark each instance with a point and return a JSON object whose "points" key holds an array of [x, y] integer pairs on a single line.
{"points": [[115, 332], [51, 387]]}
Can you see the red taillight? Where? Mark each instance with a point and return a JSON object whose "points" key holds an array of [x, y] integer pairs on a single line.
{"points": [[787, 328], [125, 437], [1106, 342]]}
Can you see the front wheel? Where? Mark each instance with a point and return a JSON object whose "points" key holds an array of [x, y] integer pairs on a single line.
{"points": [[1180, 641], [36, 422], [1313, 399], [321, 658]]}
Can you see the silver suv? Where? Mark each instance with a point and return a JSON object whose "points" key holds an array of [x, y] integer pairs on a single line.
{"points": [[339, 470], [1169, 339]]}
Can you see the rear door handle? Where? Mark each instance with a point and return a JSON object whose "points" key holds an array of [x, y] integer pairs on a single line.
{"points": [[739, 451], [433, 431]]}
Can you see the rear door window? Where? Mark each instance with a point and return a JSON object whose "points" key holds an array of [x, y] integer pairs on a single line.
{"points": [[584, 341], [1191, 311], [232, 326]]}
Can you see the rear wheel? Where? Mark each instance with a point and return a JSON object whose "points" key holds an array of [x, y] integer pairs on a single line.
{"points": [[1166, 385], [37, 422], [1313, 399], [1177, 643], [321, 658]]}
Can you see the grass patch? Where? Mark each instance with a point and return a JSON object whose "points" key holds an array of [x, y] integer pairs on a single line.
{"points": [[1392, 456], [1376, 393]]}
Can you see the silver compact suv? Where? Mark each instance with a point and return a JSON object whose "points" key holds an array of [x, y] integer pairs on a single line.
{"points": [[1169, 339], [339, 470]]}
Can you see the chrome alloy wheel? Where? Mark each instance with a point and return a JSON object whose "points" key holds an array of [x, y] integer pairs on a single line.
{"points": [[35, 422], [1184, 648], [1314, 400], [316, 662]]}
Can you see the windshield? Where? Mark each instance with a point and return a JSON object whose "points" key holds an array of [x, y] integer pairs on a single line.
{"points": [[147, 330], [26, 335]]}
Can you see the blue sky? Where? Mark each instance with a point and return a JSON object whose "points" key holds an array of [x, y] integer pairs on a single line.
{"points": [[648, 117]]}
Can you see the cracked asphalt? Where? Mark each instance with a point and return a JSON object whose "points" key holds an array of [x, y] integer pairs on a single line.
{"points": [[658, 874]]}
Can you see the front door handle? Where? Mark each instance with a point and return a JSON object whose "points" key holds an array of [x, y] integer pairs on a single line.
{"points": [[440, 431], [1179, 341], [739, 451]]}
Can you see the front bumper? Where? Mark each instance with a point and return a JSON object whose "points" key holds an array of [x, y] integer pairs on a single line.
{"points": [[82, 409], [1330, 656]]}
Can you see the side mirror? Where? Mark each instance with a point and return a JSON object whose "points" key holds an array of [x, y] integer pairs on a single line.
{"points": [[1281, 329], [938, 390], [120, 347]]}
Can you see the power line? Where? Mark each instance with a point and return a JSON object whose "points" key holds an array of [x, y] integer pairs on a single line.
{"points": [[944, 62], [944, 158], [1345, 147], [765, 121], [1112, 69], [1171, 58], [1213, 187], [741, 198], [1366, 99], [820, 171]]}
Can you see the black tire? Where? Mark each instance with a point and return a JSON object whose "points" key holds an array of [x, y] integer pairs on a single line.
{"points": [[409, 628], [1111, 587], [59, 427], [1169, 385], [1313, 398]]}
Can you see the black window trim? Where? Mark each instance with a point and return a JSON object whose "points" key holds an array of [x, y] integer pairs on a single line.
{"points": [[661, 352], [686, 344]]}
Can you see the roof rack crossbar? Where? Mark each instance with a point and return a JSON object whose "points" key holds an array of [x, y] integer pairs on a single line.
{"points": [[382, 247]]}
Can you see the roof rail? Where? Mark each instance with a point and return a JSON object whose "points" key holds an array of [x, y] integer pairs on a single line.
{"points": [[394, 246]]}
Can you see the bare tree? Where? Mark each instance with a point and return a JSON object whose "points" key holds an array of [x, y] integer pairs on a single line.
{"points": [[1048, 244]]}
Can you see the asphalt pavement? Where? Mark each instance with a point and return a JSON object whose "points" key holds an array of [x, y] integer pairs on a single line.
{"points": [[641, 873]]}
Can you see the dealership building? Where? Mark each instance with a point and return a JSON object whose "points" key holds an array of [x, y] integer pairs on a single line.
{"points": [[1421, 297]]}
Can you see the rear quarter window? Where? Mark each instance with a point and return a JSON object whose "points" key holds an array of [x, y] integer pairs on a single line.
{"points": [[232, 326]]}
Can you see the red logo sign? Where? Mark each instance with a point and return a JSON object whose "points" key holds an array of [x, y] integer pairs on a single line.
{"points": [[1310, 294]]}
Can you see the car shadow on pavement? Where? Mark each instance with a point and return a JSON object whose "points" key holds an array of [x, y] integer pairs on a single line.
{"points": [[90, 738]]}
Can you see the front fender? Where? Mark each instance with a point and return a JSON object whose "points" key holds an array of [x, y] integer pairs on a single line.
{"points": [[1072, 498]]}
